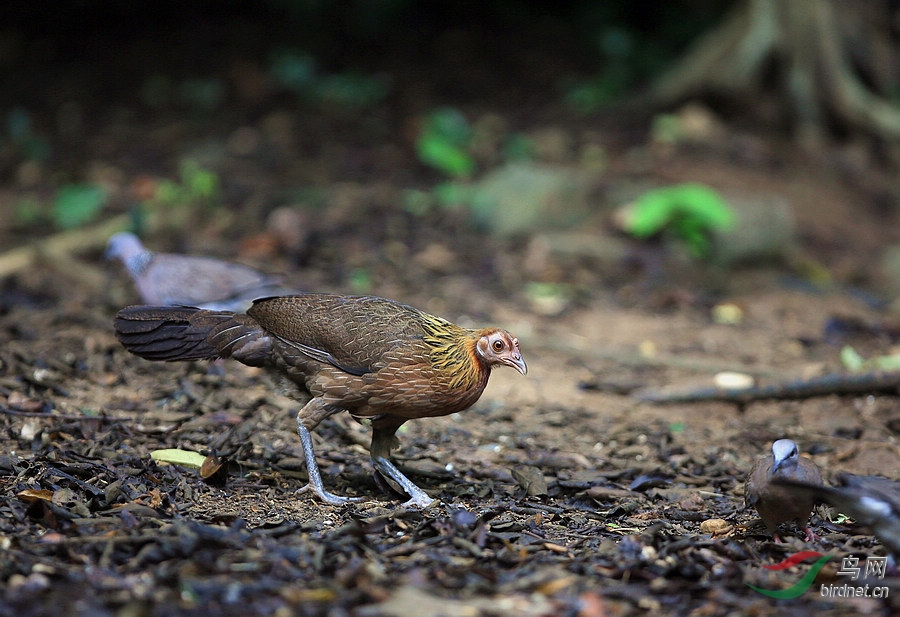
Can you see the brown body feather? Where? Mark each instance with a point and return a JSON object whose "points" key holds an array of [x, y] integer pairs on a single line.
{"points": [[373, 357]]}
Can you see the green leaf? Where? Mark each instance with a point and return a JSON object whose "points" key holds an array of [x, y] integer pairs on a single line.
{"points": [[699, 204], [184, 458], [443, 143], [854, 362], [445, 157], [200, 183], [677, 427], [691, 211], [887, 363], [842, 519], [703, 205], [851, 359], [77, 204]]}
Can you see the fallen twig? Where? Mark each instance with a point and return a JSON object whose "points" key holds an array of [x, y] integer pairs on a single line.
{"points": [[834, 383]]}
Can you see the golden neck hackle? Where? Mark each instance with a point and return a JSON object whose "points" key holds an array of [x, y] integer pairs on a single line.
{"points": [[453, 352]]}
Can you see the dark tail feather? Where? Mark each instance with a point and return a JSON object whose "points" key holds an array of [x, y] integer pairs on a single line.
{"points": [[188, 333], [168, 333]]}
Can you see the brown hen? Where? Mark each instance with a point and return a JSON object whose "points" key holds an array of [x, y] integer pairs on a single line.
{"points": [[376, 358]]}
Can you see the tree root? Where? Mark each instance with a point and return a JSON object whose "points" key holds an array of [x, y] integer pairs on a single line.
{"points": [[812, 42]]}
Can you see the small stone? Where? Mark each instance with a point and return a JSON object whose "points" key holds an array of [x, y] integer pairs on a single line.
{"points": [[729, 380], [523, 197], [716, 527], [727, 313]]}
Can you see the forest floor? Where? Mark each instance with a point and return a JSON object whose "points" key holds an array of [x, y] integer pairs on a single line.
{"points": [[558, 493]]}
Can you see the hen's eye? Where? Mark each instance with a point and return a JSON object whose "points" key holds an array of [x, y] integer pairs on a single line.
{"points": [[498, 345]]}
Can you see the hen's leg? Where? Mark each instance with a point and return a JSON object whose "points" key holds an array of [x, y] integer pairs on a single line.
{"points": [[309, 418], [382, 441]]}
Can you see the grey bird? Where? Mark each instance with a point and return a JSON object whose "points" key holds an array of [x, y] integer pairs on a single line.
{"points": [[170, 279], [872, 501], [778, 504]]}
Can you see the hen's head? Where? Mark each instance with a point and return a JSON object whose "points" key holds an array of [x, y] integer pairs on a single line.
{"points": [[496, 346]]}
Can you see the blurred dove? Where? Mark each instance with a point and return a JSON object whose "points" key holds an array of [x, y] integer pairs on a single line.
{"points": [[187, 280], [872, 501], [779, 504]]}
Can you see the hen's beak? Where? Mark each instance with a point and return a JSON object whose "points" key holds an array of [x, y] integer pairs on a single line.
{"points": [[516, 361]]}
